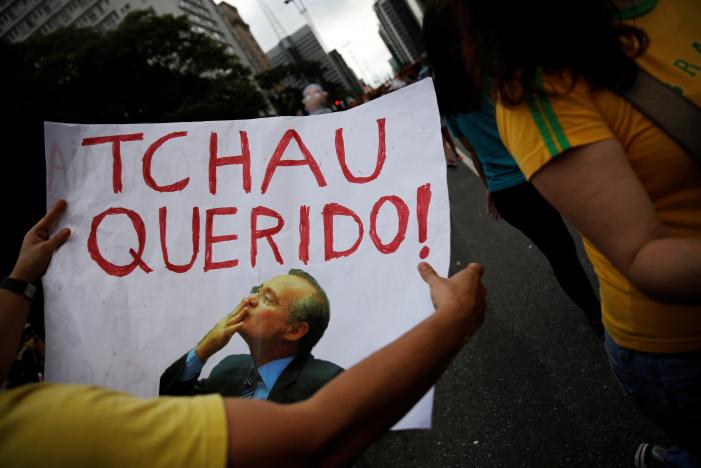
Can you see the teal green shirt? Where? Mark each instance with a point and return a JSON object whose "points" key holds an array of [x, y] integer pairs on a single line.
{"points": [[480, 129]]}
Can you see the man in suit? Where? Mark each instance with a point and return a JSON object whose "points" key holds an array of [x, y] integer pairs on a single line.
{"points": [[281, 321]]}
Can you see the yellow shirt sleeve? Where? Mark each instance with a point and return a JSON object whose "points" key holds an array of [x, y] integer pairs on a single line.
{"points": [[544, 127], [78, 426]]}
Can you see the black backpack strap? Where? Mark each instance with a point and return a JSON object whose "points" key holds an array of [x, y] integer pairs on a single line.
{"points": [[670, 111]]}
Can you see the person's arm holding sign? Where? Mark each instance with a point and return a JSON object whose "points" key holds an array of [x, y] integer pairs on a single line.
{"points": [[78, 426], [17, 289], [375, 393]]}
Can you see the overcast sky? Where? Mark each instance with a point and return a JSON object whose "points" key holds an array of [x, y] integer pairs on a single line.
{"points": [[349, 26]]}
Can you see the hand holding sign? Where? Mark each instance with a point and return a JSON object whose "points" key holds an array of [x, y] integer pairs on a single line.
{"points": [[37, 247], [462, 296]]}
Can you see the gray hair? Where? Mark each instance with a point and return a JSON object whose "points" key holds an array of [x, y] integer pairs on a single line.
{"points": [[313, 309]]}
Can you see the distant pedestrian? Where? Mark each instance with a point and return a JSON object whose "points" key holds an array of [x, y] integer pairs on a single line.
{"points": [[314, 99]]}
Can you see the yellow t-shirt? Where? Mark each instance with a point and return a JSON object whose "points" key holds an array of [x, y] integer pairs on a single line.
{"points": [[538, 131], [77, 426]]}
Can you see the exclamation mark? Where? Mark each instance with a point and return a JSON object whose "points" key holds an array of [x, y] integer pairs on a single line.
{"points": [[423, 200]]}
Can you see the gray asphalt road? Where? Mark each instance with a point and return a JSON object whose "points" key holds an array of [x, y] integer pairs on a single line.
{"points": [[533, 387]]}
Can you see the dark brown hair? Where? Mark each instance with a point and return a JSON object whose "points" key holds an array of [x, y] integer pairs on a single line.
{"points": [[498, 47]]}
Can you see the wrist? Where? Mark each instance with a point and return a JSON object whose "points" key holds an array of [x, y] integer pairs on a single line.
{"points": [[202, 353], [19, 286], [21, 275], [453, 324]]}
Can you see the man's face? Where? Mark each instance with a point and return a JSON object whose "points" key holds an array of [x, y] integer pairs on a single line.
{"points": [[268, 308], [313, 98]]}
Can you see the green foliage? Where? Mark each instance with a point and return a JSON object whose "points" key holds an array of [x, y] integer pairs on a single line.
{"points": [[284, 85], [150, 69]]}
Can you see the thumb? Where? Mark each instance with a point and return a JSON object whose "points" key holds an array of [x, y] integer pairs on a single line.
{"points": [[428, 274], [473, 271], [229, 331], [476, 269]]}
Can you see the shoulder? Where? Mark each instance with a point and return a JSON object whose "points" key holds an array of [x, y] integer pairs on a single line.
{"points": [[310, 376], [320, 367], [564, 116], [233, 362]]}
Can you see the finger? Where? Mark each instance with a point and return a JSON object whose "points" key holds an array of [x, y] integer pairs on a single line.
{"points": [[51, 216], [238, 317], [235, 311], [229, 331], [471, 274], [428, 274], [238, 309], [475, 269], [58, 239]]}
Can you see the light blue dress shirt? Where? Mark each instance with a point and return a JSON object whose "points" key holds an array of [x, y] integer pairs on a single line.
{"points": [[269, 373]]}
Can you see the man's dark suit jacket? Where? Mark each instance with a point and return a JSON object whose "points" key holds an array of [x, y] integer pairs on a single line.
{"points": [[300, 380]]}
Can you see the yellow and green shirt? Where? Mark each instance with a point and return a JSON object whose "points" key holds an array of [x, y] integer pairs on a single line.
{"points": [[542, 129]]}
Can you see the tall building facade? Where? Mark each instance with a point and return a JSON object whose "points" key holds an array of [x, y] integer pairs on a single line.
{"points": [[245, 38], [349, 78], [22, 19], [303, 45], [418, 7], [400, 29]]}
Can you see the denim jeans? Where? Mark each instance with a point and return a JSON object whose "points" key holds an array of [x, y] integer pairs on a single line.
{"points": [[667, 388]]}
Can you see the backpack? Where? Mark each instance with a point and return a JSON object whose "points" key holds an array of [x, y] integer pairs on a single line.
{"points": [[670, 111]]}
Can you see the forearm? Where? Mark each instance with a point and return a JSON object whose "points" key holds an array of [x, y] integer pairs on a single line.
{"points": [[34, 257], [350, 411], [378, 391], [14, 310], [596, 189], [668, 270], [203, 351]]}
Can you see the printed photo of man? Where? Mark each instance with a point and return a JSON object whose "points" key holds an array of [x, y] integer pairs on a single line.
{"points": [[280, 321]]}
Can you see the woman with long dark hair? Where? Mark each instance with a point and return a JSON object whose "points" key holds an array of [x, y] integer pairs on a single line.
{"points": [[557, 71], [509, 195]]}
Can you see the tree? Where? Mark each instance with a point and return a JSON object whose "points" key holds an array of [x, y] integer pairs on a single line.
{"points": [[150, 69]]}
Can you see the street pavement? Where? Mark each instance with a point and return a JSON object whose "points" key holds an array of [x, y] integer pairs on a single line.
{"points": [[533, 387]]}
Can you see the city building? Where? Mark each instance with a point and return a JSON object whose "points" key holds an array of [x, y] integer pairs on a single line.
{"points": [[349, 79], [400, 29], [245, 38], [304, 45], [22, 19], [418, 7]]}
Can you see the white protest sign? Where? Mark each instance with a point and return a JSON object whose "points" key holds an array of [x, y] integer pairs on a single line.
{"points": [[173, 223]]}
